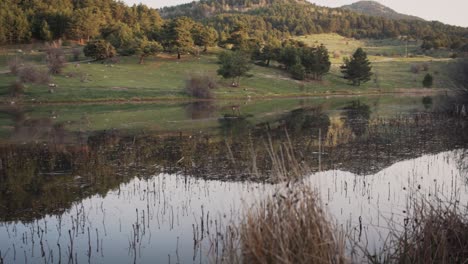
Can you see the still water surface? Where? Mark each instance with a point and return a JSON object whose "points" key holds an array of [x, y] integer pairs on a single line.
{"points": [[157, 195]]}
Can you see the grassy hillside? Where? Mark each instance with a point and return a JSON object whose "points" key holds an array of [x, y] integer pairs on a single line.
{"points": [[164, 77]]}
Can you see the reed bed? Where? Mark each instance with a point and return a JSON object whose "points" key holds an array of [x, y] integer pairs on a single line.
{"points": [[436, 233], [289, 227]]}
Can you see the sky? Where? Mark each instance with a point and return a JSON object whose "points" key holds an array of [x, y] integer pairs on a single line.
{"points": [[452, 12]]}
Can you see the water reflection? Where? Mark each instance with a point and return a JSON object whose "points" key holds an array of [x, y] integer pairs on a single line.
{"points": [[309, 120], [200, 110], [123, 197], [357, 117], [164, 217]]}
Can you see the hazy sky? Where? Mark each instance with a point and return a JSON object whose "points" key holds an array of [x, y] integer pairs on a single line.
{"points": [[453, 12]]}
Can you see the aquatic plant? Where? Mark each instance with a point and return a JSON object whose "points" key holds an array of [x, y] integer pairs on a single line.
{"points": [[291, 226]]}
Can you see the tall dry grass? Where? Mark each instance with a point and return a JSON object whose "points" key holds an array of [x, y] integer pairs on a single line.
{"points": [[439, 235], [436, 233], [290, 227]]}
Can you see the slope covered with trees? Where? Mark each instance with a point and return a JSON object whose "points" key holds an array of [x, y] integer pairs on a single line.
{"points": [[285, 18], [374, 8], [22, 21]]}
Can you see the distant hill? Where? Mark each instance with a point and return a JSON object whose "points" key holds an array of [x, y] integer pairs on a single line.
{"points": [[208, 8], [281, 19], [373, 8]]}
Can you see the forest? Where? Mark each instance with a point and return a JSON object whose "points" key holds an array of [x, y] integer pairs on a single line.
{"points": [[24, 21]]}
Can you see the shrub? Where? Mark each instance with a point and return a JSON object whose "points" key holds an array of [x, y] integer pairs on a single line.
{"points": [[32, 74], [200, 86], [15, 65], [416, 68], [55, 57], [425, 66], [99, 50], [336, 54], [76, 52]]}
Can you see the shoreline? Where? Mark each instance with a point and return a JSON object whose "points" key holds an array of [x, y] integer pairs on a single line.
{"points": [[398, 91]]}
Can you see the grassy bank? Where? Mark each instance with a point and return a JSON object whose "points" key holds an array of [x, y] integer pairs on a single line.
{"points": [[163, 77]]}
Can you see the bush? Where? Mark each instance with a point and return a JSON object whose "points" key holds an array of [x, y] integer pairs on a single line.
{"points": [[99, 50], [15, 65], [76, 52], [416, 68], [200, 86], [336, 54], [425, 66], [55, 60], [297, 72], [32, 74]]}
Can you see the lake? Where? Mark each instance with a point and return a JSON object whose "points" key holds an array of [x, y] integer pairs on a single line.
{"points": [[161, 182]]}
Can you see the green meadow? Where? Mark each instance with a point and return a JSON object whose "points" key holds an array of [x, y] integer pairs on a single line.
{"points": [[163, 77]]}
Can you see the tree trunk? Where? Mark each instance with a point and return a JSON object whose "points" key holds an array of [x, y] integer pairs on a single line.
{"points": [[178, 54], [142, 59], [205, 49], [268, 63]]}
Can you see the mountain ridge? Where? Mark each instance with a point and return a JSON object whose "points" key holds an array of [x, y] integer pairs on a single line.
{"points": [[374, 8]]}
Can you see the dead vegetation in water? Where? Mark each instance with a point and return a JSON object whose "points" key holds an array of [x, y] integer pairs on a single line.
{"points": [[289, 227], [437, 232]]}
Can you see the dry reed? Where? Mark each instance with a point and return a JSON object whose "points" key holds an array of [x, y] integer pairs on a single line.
{"points": [[289, 227], [436, 233]]}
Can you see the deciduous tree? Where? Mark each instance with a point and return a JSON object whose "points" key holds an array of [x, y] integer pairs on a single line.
{"points": [[99, 50], [234, 65], [148, 48]]}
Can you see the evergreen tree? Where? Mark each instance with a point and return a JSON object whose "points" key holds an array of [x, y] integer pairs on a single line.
{"points": [[289, 56], [204, 36], [267, 53], [85, 24], [357, 69], [178, 35], [428, 81], [120, 35], [234, 65], [46, 34], [239, 37], [323, 62]]}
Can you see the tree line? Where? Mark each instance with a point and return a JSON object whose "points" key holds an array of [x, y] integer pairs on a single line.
{"points": [[286, 18], [22, 21]]}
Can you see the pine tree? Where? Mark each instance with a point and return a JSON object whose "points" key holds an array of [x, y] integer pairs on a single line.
{"points": [[428, 81], [204, 36], [357, 69], [179, 37], [46, 34]]}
